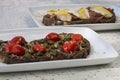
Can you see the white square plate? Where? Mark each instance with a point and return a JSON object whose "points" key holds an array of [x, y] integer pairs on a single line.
{"points": [[37, 14], [101, 51]]}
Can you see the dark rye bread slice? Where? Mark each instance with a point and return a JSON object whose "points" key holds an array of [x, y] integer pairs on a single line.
{"points": [[51, 20], [54, 51]]}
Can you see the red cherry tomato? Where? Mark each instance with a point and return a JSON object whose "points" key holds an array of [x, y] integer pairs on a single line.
{"points": [[70, 47], [18, 40], [9, 47], [77, 37], [18, 50], [53, 37], [39, 48], [15, 49]]}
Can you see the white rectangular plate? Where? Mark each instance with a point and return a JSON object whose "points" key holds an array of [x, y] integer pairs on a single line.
{"points": [[101, 51], [38, 12]]}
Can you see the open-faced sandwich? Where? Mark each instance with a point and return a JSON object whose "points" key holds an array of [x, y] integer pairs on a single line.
{"points": [[91, 14], [54, 46]]}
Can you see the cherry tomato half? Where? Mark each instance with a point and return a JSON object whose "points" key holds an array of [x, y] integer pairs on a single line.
{"points": [[15, 49], [18, 40], [70, 47], [39, 48], [53, 37], [77, 37], [9, 47]]}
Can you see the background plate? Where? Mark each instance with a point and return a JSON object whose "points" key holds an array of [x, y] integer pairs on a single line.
{"points": [[38, 12], [101, 52]]}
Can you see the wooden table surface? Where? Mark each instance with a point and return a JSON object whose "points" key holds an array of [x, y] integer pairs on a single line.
{"points": [[14, 14]]}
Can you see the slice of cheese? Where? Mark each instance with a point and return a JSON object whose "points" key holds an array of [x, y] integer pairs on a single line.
{"points": [[62, 14], [101, 10], [83, 13]]}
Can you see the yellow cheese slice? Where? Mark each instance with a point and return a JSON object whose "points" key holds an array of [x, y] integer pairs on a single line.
{"points": [[62, 14], [101, 10], [83, 13]]}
